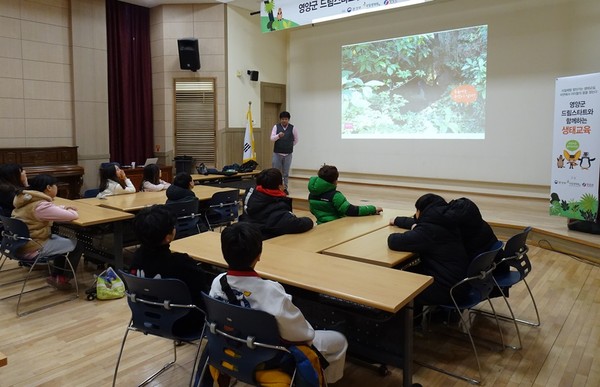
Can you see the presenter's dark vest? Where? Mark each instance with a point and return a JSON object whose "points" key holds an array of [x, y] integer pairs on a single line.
{"points": [[285, 144]]}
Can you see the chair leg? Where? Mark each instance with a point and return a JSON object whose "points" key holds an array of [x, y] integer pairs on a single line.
{"points": [[197, 359], [163, 369], [512, 316], [458, 376], [200, 379], [70, 298], [537, 313], [120, 354], [498, 325], [11, 282]]}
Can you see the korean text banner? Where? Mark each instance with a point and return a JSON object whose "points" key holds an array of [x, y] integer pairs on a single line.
{"points": [[276, 15], [576, 149]]}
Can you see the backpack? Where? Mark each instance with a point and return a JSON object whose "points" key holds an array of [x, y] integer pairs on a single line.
{"points": [[202, 169], [248, 166]]}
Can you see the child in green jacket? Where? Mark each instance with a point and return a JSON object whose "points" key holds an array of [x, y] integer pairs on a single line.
{"points": [[327, 204]]}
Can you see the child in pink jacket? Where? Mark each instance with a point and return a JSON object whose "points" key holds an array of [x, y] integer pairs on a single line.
{"points": [[36, 209]]}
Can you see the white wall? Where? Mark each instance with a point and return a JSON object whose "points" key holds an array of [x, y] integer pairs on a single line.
{"points": [[250, 49], [530, 43]]}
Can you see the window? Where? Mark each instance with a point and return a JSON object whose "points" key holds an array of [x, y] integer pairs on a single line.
{"points": [[195, 119]]}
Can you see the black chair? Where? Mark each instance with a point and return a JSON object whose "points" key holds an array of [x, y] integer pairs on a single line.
{"points": [[519, 265], [91, 193], [222, 209], [240, 341], [188, 217], [479, 284], [158, 308], [15, 235]]}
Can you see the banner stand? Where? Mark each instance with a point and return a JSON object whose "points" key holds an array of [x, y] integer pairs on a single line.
{"points": [[575, 185]]}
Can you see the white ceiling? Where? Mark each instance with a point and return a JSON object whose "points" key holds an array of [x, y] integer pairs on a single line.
{"points": [[252, 5]]}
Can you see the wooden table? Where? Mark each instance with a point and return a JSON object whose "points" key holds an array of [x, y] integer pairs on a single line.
{"points": [[3, 359], [327, 235], [136, 201], [90, 215], [371, 248], [369, 285]]}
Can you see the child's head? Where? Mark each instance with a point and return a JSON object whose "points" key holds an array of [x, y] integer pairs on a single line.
{"points": [[13, 175], [151, 173], [153, 224], [183, 180], [427, 200], [109, 171], [241, 244], [45, 184], [329, 173], [270, 178]]}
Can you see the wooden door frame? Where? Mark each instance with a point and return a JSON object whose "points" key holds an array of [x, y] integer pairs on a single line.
{"points": [[270, 93]]}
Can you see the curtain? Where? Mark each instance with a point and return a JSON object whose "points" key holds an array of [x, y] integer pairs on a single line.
{"points": [[129, 82]]}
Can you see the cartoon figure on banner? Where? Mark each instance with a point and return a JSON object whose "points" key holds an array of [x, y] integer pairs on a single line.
{"points": [[585, 162], [560, 161], [572, 159], [269, 7]]}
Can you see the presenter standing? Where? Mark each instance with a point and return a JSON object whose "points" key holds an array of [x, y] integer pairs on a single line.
{"points": [[285, 136]]}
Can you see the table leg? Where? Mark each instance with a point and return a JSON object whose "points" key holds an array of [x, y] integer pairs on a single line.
{"points": [[407, 358], [118, 244]]}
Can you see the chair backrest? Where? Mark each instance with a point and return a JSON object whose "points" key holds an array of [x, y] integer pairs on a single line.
{"points": [[157, 304], [222, 208], [188, 216], [515, 253], [14, 236], [240, 339], [91, 193], [479, 274]]}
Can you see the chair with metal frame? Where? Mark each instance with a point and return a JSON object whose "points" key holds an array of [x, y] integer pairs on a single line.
{"points": [[222, 209], [479, 282], [162, 308], [188, 217], [240, 342], [515, 257], [15, 235]]}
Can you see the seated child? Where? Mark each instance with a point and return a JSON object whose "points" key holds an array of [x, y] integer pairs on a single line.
{"points": [[270, 208], [155, 229], [35, 208], [477, 234], [327, 204], [439, 246], [12, 178], [181, 189], [152, 181], [113, 181], [242, 246]]}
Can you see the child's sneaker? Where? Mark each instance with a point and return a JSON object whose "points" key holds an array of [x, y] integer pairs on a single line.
{"points": [[60, 282]]}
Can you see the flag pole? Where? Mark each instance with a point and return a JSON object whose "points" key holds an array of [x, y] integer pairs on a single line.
{"points": [[249, 152]]}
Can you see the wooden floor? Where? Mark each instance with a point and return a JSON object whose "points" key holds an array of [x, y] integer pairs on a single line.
{"points": [[76, 343]]}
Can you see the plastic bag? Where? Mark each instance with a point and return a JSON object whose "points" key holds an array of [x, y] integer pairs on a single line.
{"points": [[109, 286]]}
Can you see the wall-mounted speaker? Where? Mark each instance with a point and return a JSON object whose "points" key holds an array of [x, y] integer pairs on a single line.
{"points": [[253, 75], [189, 57]]}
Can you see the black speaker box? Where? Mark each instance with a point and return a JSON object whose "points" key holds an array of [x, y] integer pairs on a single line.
{"points": [[189, 57], [253, 75]]}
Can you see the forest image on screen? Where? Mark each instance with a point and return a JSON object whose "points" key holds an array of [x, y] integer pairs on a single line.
{"points": [[430, 86]]}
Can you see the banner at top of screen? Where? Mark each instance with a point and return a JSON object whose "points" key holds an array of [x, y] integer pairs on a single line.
{"points": [[277, 15]]}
